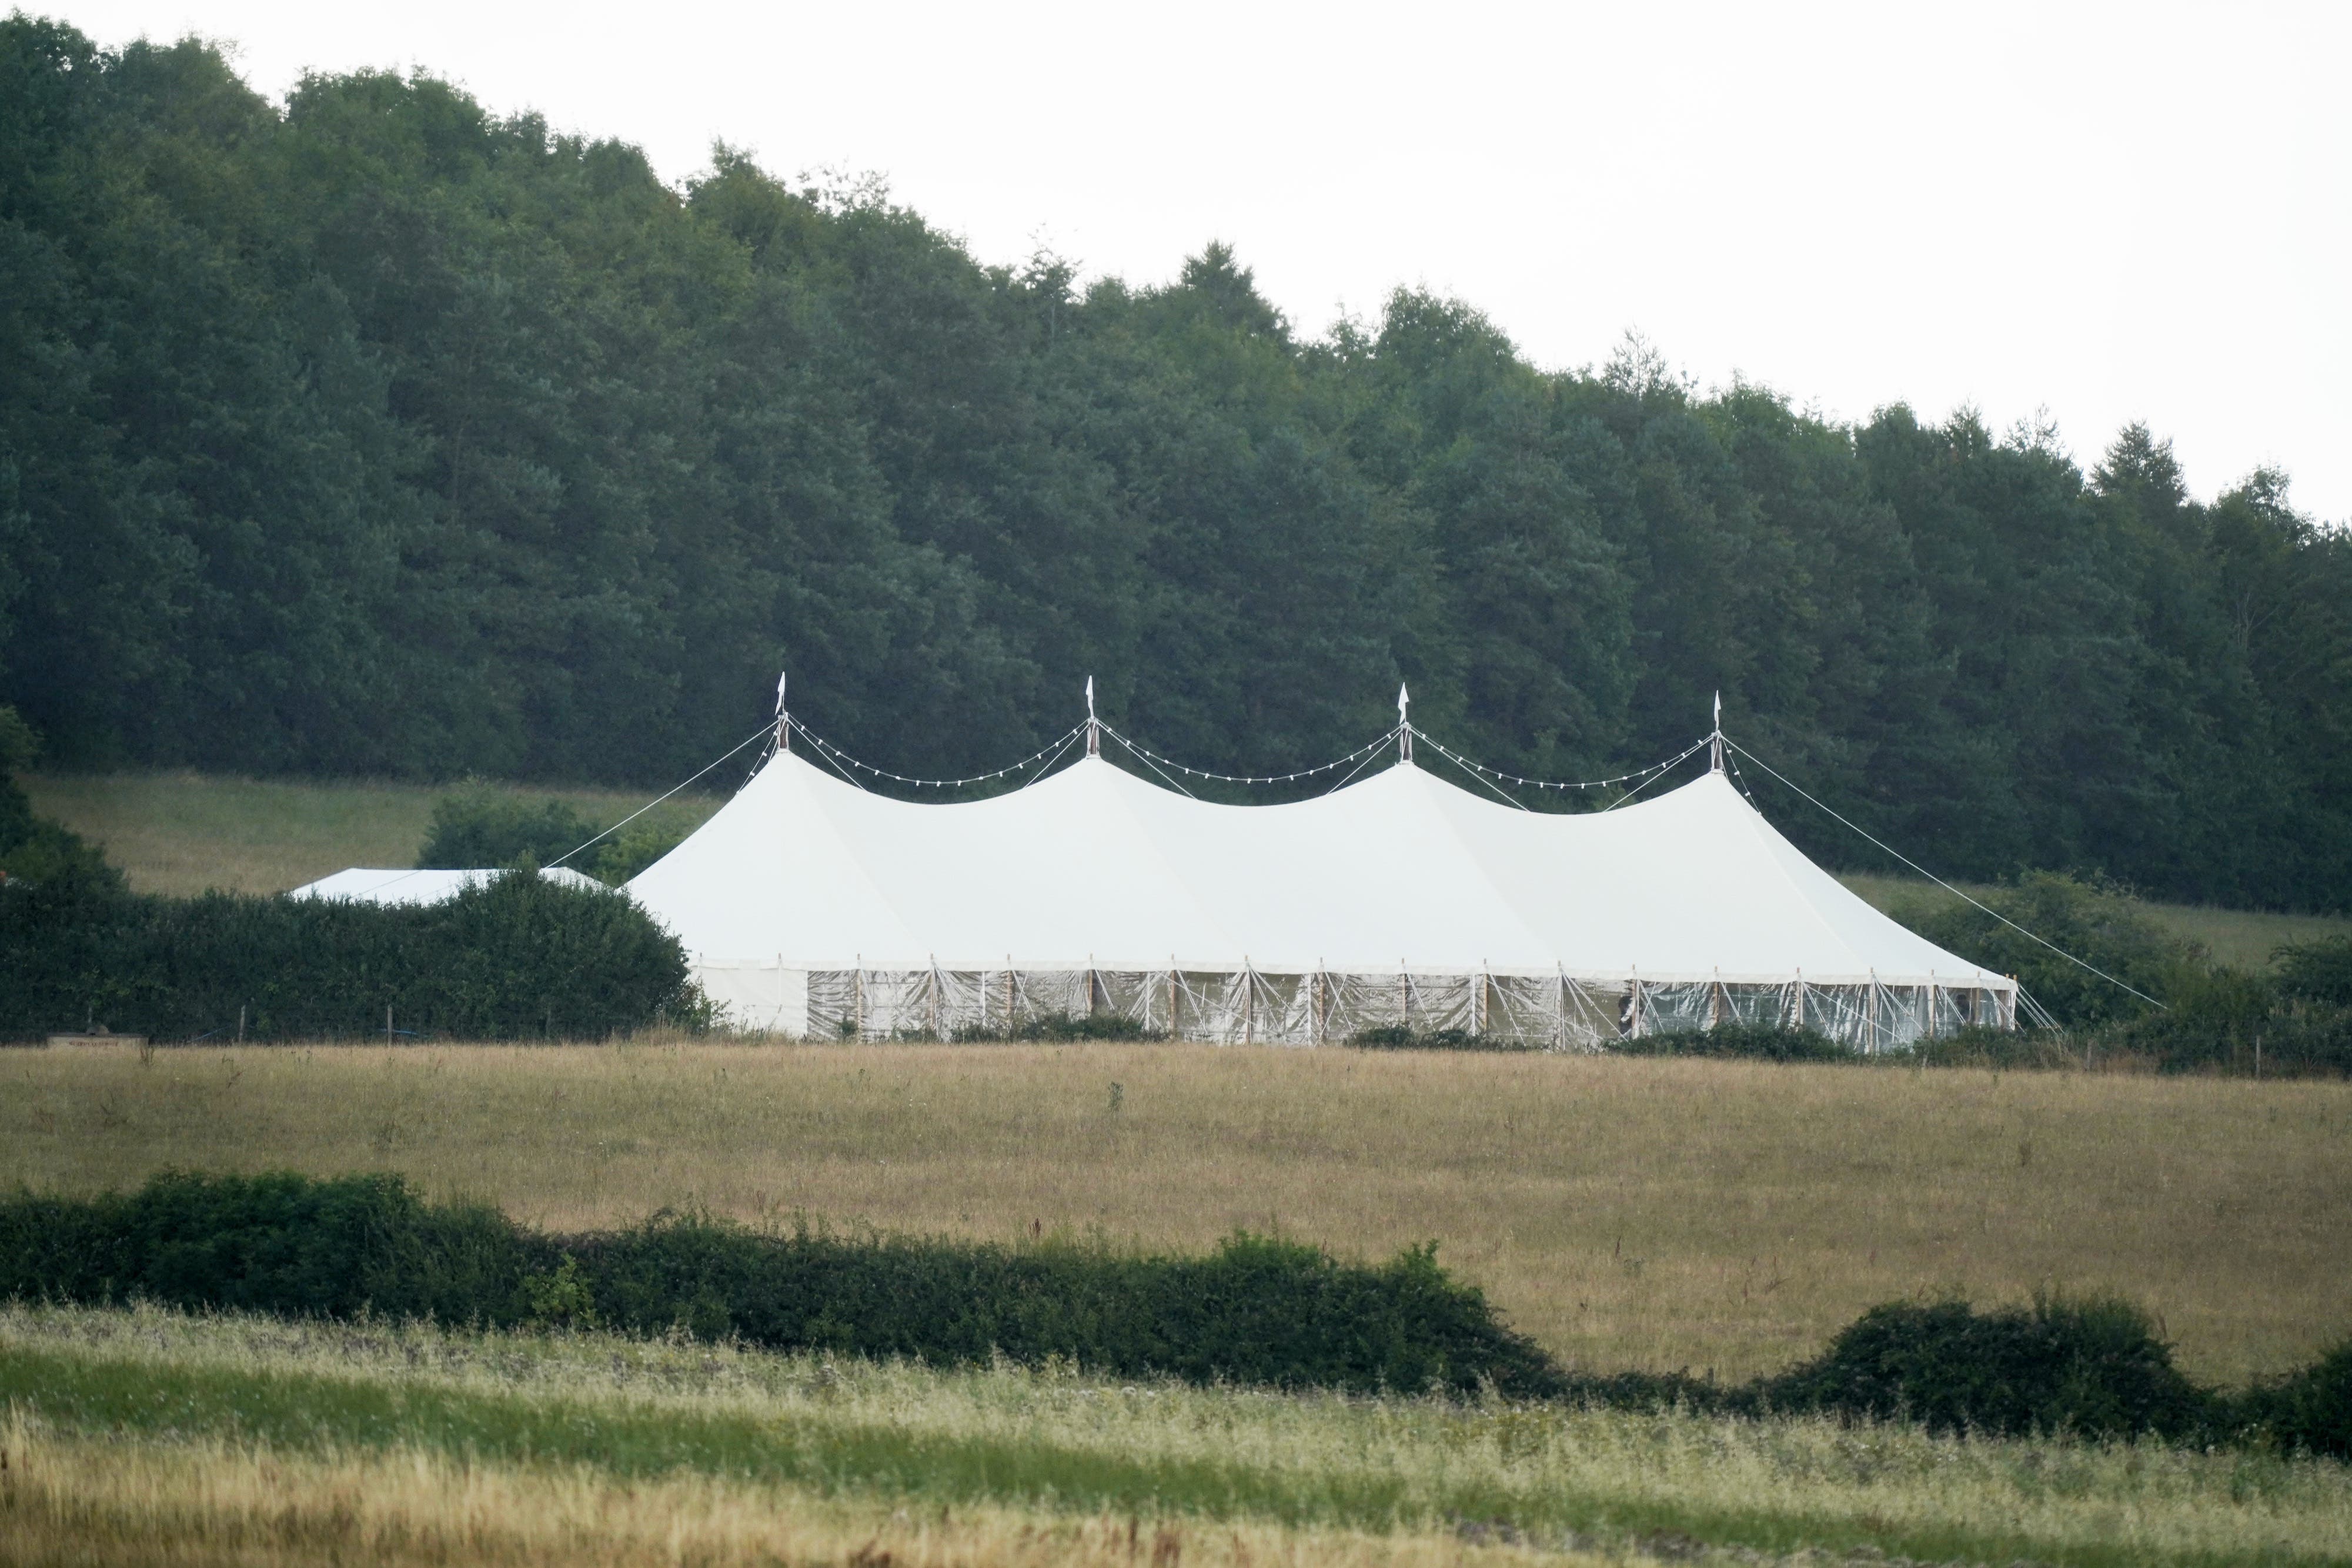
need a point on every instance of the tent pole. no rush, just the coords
(1249, 996)
(1171, 995)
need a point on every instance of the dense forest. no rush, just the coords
(374, 434)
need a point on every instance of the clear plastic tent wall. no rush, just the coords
(812, 907)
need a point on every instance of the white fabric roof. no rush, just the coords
(1096, 868)
(369, 884)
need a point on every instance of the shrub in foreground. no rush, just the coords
(1403, 1036)
(2309, 1411)
(1751, 1042)
(2091, 1368)
(1064, 1026)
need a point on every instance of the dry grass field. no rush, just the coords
(1626, 1212)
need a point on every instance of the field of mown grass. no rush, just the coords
(1626, 1212)
(183, 832)
(142, 1435)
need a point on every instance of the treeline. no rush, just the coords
(375, 433)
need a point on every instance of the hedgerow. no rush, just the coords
(1254, 1311)
(520, 957)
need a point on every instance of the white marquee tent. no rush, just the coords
(810, 905)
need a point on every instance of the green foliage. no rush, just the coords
(2318, 972)
(522, 958)
(1256, 1309)
(635, 848)
(2086, 1368)
(1402, 1037)
(18, 744)
(2309, 1411)
(1756, 1041)
(560, 1297)
(1064, 1026)
(298, 1246)
(2097, 926)
(487, 827)
(34, 850)
(1996, 1049)
(373, 433)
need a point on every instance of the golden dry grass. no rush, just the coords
(191, 1505)
(184, 832)
(1233, 1476)
(1627, 1212)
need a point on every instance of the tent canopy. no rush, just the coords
(385, 884)
(1095, 869)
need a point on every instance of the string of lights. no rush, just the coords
(1563, 784)
(836, 755)
(1154, 756)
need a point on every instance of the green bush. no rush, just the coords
(1753, 1041)
(2318, 972)
(520, 957)
(2003, 1049)
(34, 849)
(2085, 919)
(2310, 1411)
(635, 847)
(2092, 1368)
(1062, 1027)
(480, 827)
(287, 1244)
(1401, 1037)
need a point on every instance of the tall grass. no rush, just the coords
(1654, 1214)
(203, 1408)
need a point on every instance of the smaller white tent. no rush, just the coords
(368, 884)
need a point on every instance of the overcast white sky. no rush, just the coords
(2117, 212)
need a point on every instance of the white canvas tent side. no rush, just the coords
(811, 906)
(385, 884)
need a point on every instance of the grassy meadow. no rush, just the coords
(186, 832)
(249, 1441)
(1626, 1212)
(183, 832)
